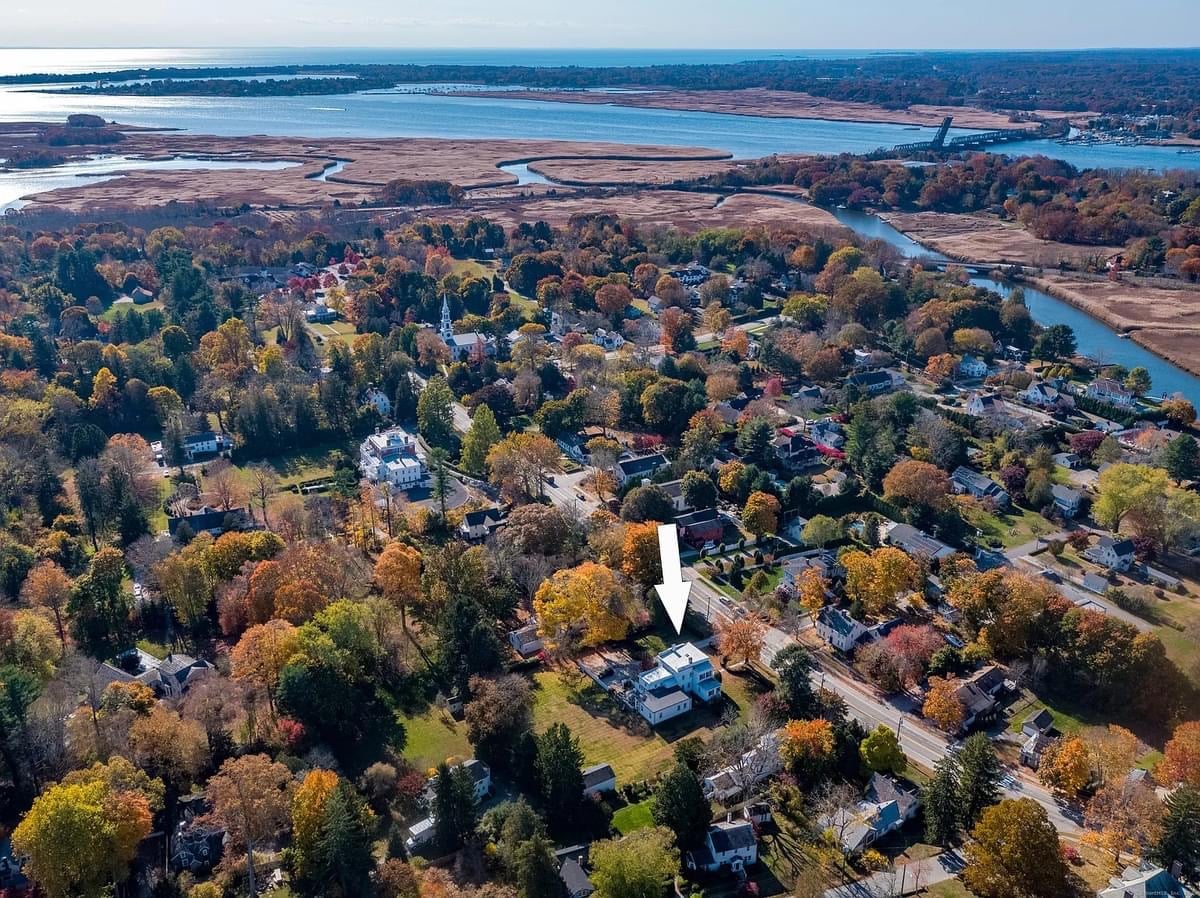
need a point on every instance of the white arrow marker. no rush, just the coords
(674, 590)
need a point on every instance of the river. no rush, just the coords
(1094, 338)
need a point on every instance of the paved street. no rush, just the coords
(906, 879)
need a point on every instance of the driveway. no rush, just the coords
(906, 879)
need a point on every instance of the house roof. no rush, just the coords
(482, 517)
(573, 877)
(597, 774)
(1119, 546)
(977, 482)
(1095, 583)
(1041, 720)
(644, 464)
(1065, 494)
(727, 836)
(696, 518)
(883, 789)
(661, 699)
(838, 620)
(210, 519)
(917, 542)
(870, 378)
(1148, 882)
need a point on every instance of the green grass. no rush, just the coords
(633, 817)
(610, 734)
(158, 649)
(1017, 527)
(433, 737)
(948, 888)
(303, 464)
(1064, 721)
(1150, 760)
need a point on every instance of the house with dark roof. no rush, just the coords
(700, 527)
(794, 448)
(480, 523)
(599, 778)
(1112, 553)
(873, 383)
(978, 706)
(635, 468)
(674, 491)
(916, 542)
(575, 879)
(170, 677)
(204, 443)
(885, 808)
(730, 844)
(213, 521)
(965, 480)
(839, 629)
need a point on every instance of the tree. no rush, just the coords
(519, 464)
(435, 413)
(1123, 816)
(1066, 767)
(1113, 750)
(1014, 853)
(1179, 410)
(979, 774)
(813, 588)
(79, 838)
(641, 559)
(251, 798)
(940, 368)
(262, 653)
(398, 576)
(1126, 490)
(647, 503)
(761, 513)
(876, 578)
(1181, 756)
(1055, 342)
(1138, 380)
(680, 805)
(308, 810)
(917, 483)
(821, 530)
(942, 704)
(48, 586)
(559, 767)
(794, 665)
(806, 743)
(942, 815)
(1181, 458)
(637, 866)
(1180, 836)
(881, 751)
(741, 638)
(169, 747)
(263, 484)
(483, 434)
(754, 441)
(585, 605)
(332, 830)
(698, 490)
(454, 811)
(535, 869)
(498, 714)
(612, 299)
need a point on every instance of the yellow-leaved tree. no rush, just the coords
(584, 605)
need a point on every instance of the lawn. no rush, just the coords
(434, 736)
(303, 464)
(610, 734)
(1064, 721)
(1015, 528)
(948, 888)
(633, 817)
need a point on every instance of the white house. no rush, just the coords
(681, 673)
(1114, 554)
(983, 405)
(481, 777)
(1146, 881)
(206, 442)
(1105, 389)
(972, 366)
(394, 456)
(753, 767)
(635, 468)
(480, 523)
(730, 844)
(1066, 500)
(599, 778)
(964, 480)
(379, 401)
(525, 640)
(607, 340)
(674, 491)
(1042, 395)
(420, 834)
(469, 345)
(839, 629)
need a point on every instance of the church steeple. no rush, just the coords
(447, 329)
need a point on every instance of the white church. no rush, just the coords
(471, 345)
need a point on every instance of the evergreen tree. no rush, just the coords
(454, 812)
(468, 643)
(680, 806)
(483, 435)
(754, 441)
(344, 848)
(435, 413)
(1181, 458)
(560, 776)
(535, 869)
(1180, 838)
(404, 402)
(793, 665)
(979, 775)
(941, 804)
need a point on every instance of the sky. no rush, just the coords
(750, 24)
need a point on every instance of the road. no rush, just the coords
(906, 879)
(920, 742)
